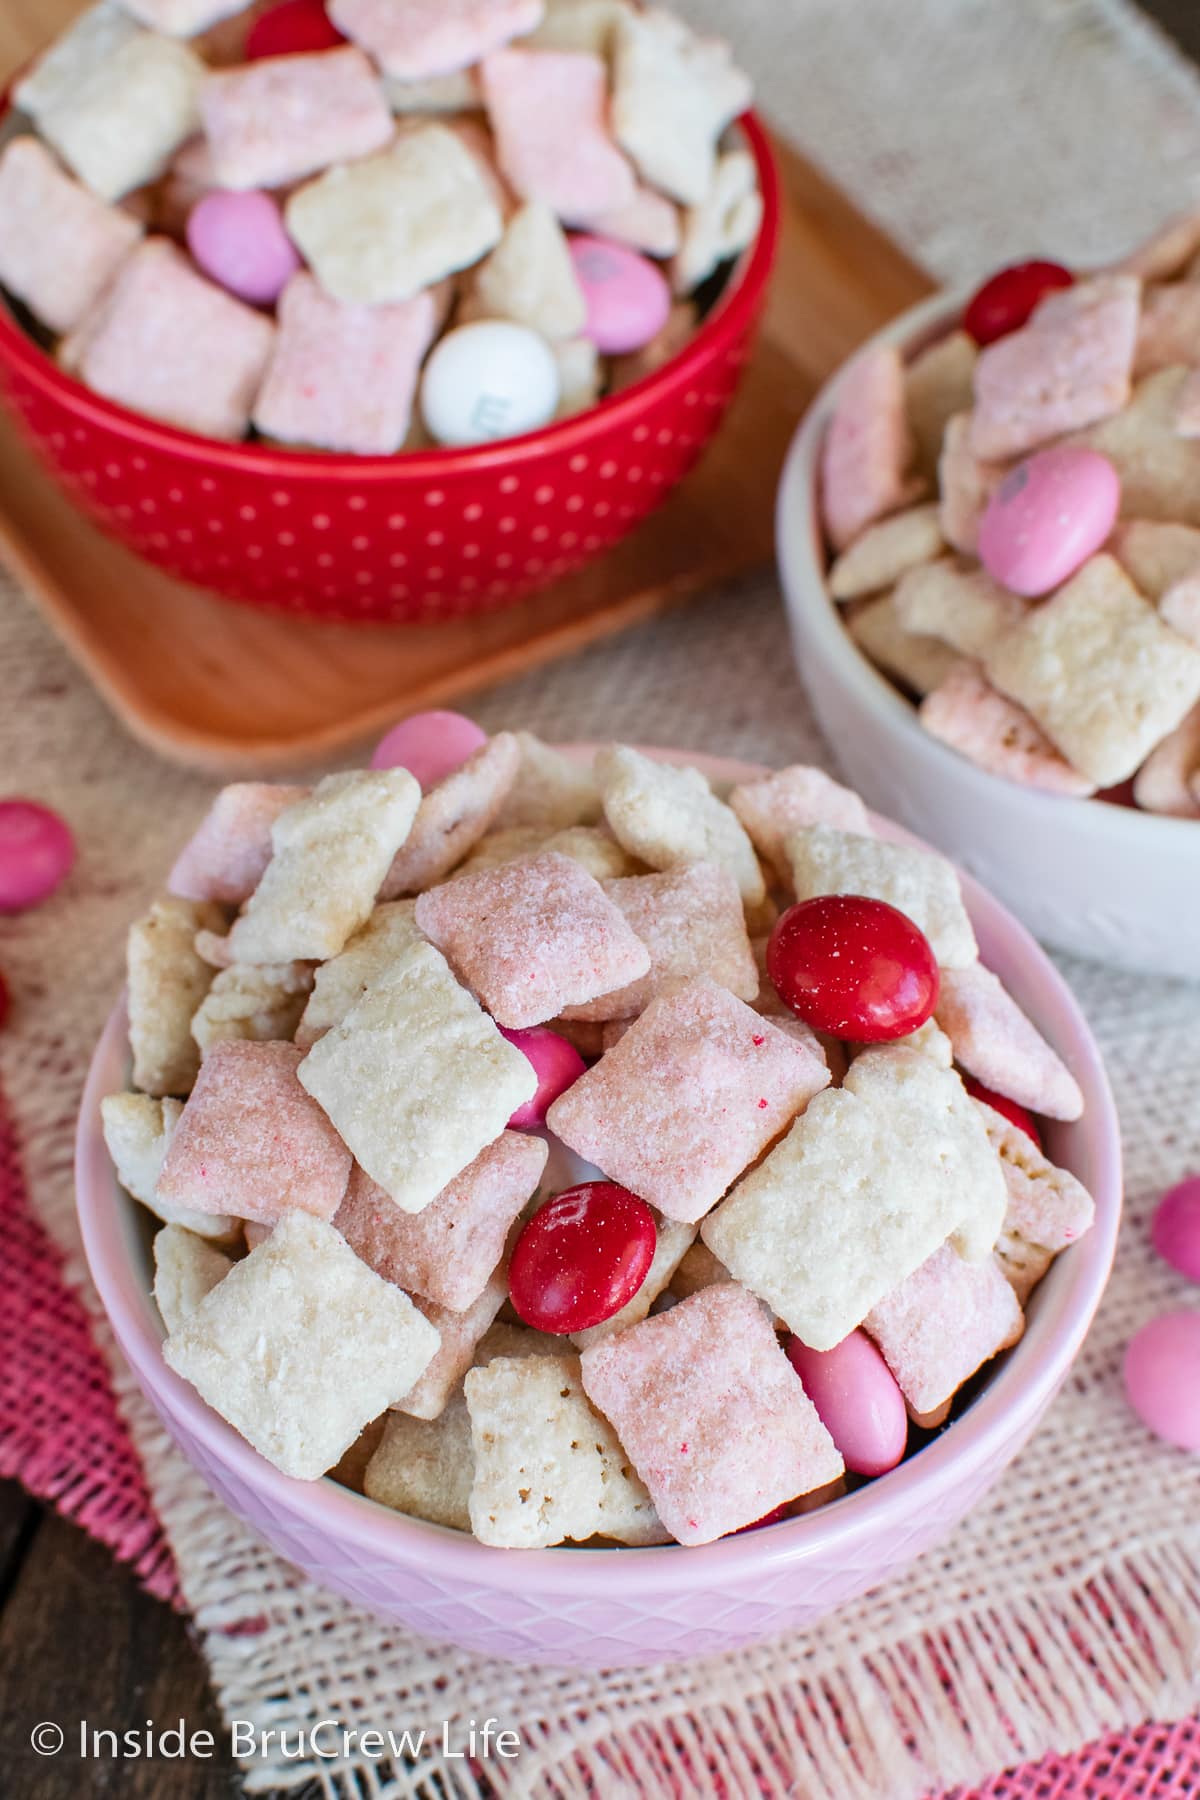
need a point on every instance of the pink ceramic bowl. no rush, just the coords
(602, 1608)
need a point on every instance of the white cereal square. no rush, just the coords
(258, 1002)
(961, 605)
(919, 663)
(182, 18)
(886, 551)
(138, 1130)
(669, 815)
(425, 1467)
(1158, 466)
(342, 981)
(938, 385)
(529, 277)
(917, 882)
(674, 92)
(167, 980)
(942, 1323)
(453, 816)
(1047, 1206)
(551, 791)
(59, 245)
(186, 1268)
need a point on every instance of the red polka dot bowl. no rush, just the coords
(423, 536)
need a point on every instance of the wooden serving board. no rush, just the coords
(236, 690)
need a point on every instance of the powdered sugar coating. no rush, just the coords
(938, 385)
(995, 1042)
(549, 112)
(868, 447)
(343, 980)
(992, 731)
(886, 551)
(942, 1323)
(227, 855)
(1047, 1206)
(776, 805)
(258, 1002)
(453, 816)
(276, 120)
(674, 92)
(59, 244)
(186, 1268)
(420, 40)
(137, 1130)
(550, 791)
(167, 980)
(917, 882)
(959, 604)
(668, 816)
(459, 1332)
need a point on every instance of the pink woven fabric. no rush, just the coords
(1151, 1762)
(61, 1435)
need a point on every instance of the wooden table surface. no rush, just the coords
(78, 1637)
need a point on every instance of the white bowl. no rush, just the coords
(1103, 881)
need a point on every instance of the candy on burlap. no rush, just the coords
(917, 882)
(331, 852)
(691, 921)
(343, 376)
(942, 1323)
(551, 790)
(668, 816)
(957, 603)
(868, 447)
(672, 1241)
(1101, 673)
(382, 228)
(167, 980)
(938, 384)
(419, 40)
(281, 118)
(776, 805)
(59, 245)
(1167, 780)
(425, 1467)
(453, 816)
(186, 1268)
(966, 712)
(532, 937)
(1169, 327)
(577, 25)
(674, 93)
(711, 1413)
(696, 1089)
(459, 1332)
(1069, 367)
(649, 222)
(549, 112)
(1166, 251)
(1047, 1206)
(884, 552)
(919, 663)
(528, 277)
(870, 1180)
(454, 93)
(255, 1002)
(182, 18)
(345, 978)
(251, 1142)
(449, 1251)
(301, 1346)
(417, 1078)
(721, 225)
(227, 855)
(698, 1268)
(165, 342)
(137, 1130)
(966, 483)
(547, 1466)
(1159, 470)
(580, 375)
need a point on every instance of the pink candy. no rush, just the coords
(1047, 517)
(858, 1400)
(1176, 1228)
(557, 1066)
(628, 299)
(1162, 1378)
(37, 851)
(430, 745)
(239, 240)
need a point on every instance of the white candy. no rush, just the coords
(490, 380)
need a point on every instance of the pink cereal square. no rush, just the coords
(531, 938)
(1047, 1206)
(284, 117)
(549, 112)
(711, 1413)
(251, 1142)
(992, 731)
(418, 40)
(59, 245)
(460, 1333)
(994, 1041)
(225, 858)
(868, 447)
(447, 1252)
(690, 1096)
(941, 1324)
(342, 376)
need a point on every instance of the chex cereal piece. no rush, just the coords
(698, 1268)
(920, 663)
(994, 1041)
(942, 1323)
(226, 857)
(165, 342)
(637, 364)
(931, 1041)
(182, 18)
(1167, 780)
(668, 815)
(580, 375)
(959, 604)
(342, 376)
(459, 1332)
(1099, 671)
(966, 483)
(257, 1002)
(281, 118)
(137, 1131)
(996, 734)
(674, 93)
(884, 552)
(417, 1078)
(1166, 251)
(696, 1089)
(503, 1339)
(453, 816)
(252, 1142)
(1169, 327)
(577, 25)
(870, 1180)
(413, 40)
(917, 882)
(672, 1241)
(868, 447)
(383, 228)
(547, 1467)
(1187, 406)
(332, 851)
(495, 848)
(721, 226)
(649, 222)
(167, 981)
(1069, 367)
(344, 979)
(448, 1252)
(425, 1467)
(939, 383)
(59, 245)
(551, 790)
(1047, 1206)
(1022, 1264)
(1159, 469)
(595, 849)
(691, 921)
(549, 112)
(777, 805)
(454, 93)
(301, 1345)
(529, 277)
(533, 937)
(186, 1268)
(86, 43)
(711, 1413)
(1156, 556)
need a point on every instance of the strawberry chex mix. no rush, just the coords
(1013, 518)
(378, 226)
(659, 1162)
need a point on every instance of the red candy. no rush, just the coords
(292, 29)
(1011, 1109)
(36, 853)
(855, 967)
(1005, 303)
(581, 1257)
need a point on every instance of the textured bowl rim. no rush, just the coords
(1008, 1406)
(802, 565)
(741, 297)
